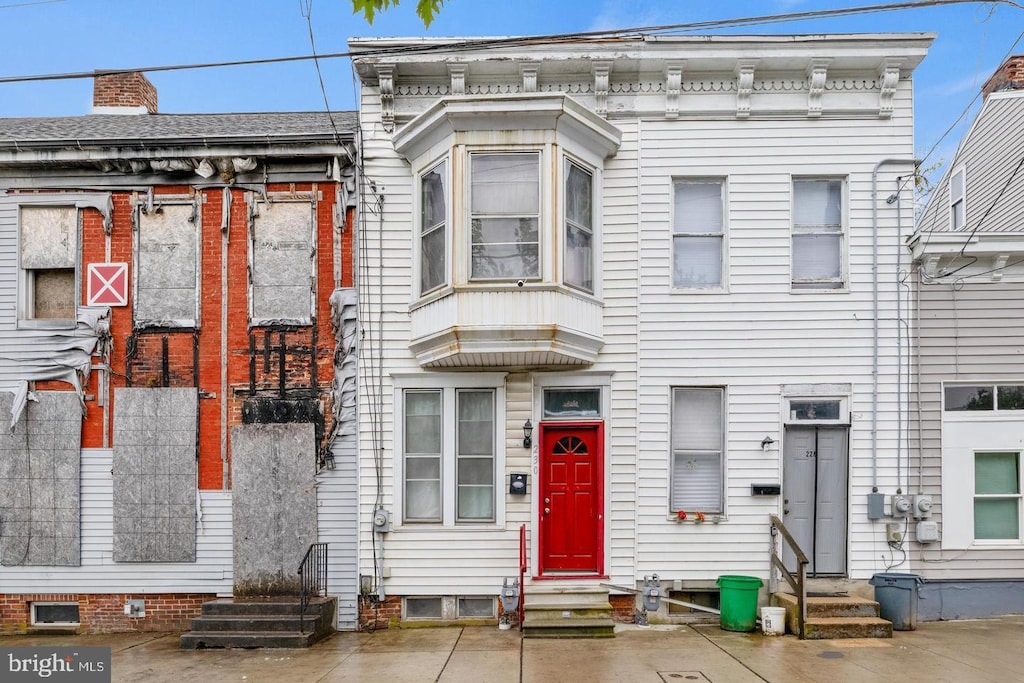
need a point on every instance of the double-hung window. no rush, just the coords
(434, 228)
(698, 234)
(997, 495)
(698, 461)
(579, 227)
(817, 255)
(505, 216)
(48, 254)
(957, 198)
(449, 455)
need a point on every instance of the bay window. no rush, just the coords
(505, 215)
(434, 228)
(579, 227)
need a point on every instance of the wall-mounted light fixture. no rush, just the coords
(528, 434)
(329, 461)
(766, 442)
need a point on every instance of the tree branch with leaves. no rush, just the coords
(426, 10)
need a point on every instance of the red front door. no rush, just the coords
(571, 505)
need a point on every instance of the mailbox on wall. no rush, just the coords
(517, 484)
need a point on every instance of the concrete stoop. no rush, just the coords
(830, 618)
(567, 612)
(260, 623)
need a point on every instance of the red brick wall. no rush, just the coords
(377, 616)
(104, 613)
(623, 608)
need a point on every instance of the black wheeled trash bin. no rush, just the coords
(897, 596)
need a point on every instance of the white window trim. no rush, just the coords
(724, 472)
(449, 383)
(449, 227)
(1019, 497)
(962, 171)
(844, 239)
(723, 286)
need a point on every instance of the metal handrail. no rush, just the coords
(797, 583)
(312, 578)
(521, 610)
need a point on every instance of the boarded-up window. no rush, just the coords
(166, 264)
(48, 254)
(281, 253)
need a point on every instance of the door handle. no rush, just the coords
(547, 501)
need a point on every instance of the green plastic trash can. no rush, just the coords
(738, 600)
(897, 595)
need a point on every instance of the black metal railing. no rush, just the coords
(799, 582)
(312, 578)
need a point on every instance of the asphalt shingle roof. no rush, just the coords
(96, 129)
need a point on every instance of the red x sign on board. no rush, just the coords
(108, 284)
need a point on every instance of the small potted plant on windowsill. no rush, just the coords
(681, 515)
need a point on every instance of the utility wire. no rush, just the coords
(490, 43)
(307, 14)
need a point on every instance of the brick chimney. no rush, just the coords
(123, 93)
(1009, 76)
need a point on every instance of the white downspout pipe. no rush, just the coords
(874, 316)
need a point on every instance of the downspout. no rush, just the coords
(874, 317)
(225, 230)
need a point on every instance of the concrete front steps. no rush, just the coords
(266, 622)
(830, 618)
(562, 611)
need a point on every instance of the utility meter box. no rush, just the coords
(901, 505)
(927, 532)
(922, 506)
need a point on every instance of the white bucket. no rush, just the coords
(773, 621)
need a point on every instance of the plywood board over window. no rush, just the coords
(282, 254)
(48, 248)
(167, 266)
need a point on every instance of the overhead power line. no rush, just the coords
(489, 43)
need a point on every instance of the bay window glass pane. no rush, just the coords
(697, 261)
(475, 456)
(1011, 397)
(579, 258)
(506, 260)
(579, 254)
(997, 518)
(969, 398)
(505, 183)
(433, 227)
(698, 208)
(996, 473)
(817, 204)
(696, 467)
(816, 257)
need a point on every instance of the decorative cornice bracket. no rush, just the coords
(386, 83)
(889, 75)
(457, 73)
(744, 86)
(673, 86)
(528, 72)
(602, 77)
(997, 267)
(817, 72)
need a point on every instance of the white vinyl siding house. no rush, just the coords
(653, 255)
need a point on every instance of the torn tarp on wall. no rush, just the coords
(63, 355)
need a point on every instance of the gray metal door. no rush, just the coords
(814, 476)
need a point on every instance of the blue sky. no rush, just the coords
(61, 36)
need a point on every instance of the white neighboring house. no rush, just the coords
(672, 258)
(969, 253)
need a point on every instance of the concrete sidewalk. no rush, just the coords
(960, 651)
